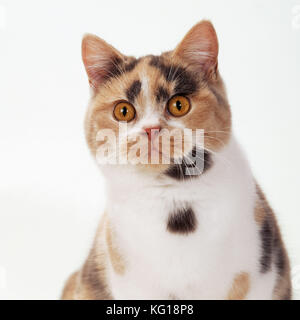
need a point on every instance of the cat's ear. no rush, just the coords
(99, 58)
(199, 48)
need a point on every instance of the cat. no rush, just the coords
(167, 234)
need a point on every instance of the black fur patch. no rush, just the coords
(280, 260)
(280, 254)
(133, 91)
(129, 66)
(162, 94)
(266, 235)
(271, 244)
(185, 81)
(182, 221)
(186, 170)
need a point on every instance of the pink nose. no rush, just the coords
(152, 131)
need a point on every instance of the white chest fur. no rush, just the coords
(201, 264)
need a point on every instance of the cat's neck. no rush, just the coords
(228, 163)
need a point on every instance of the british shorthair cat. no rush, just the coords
(168, 233)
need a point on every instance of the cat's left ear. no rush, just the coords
(199, 48)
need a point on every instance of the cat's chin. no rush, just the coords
(151, 168)
(154, 170)
(148, 169)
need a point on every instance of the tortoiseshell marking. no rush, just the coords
(183, 170)
(182, 221)
(133, 91)
(185, 81)
(162, 94)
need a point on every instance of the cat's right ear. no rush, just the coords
(99, 58)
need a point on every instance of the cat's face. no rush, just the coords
(156, 97)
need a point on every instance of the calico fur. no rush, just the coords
(166, 234)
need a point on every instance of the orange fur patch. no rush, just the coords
(240, 287)
(116, 258)
(259, 213)
(69, 291)
(260, 208)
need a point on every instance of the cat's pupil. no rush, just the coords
(124, 111)
(178, 105)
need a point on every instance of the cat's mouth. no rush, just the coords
(153, 149)
(156, 153)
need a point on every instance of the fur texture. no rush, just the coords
(166, 234)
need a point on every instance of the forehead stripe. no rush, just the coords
(133, 91)
(162, 94)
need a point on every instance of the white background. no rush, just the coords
(51, 193)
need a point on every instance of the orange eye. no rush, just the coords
(124, 111)
(178, 106)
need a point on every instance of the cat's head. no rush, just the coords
(156, 97)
